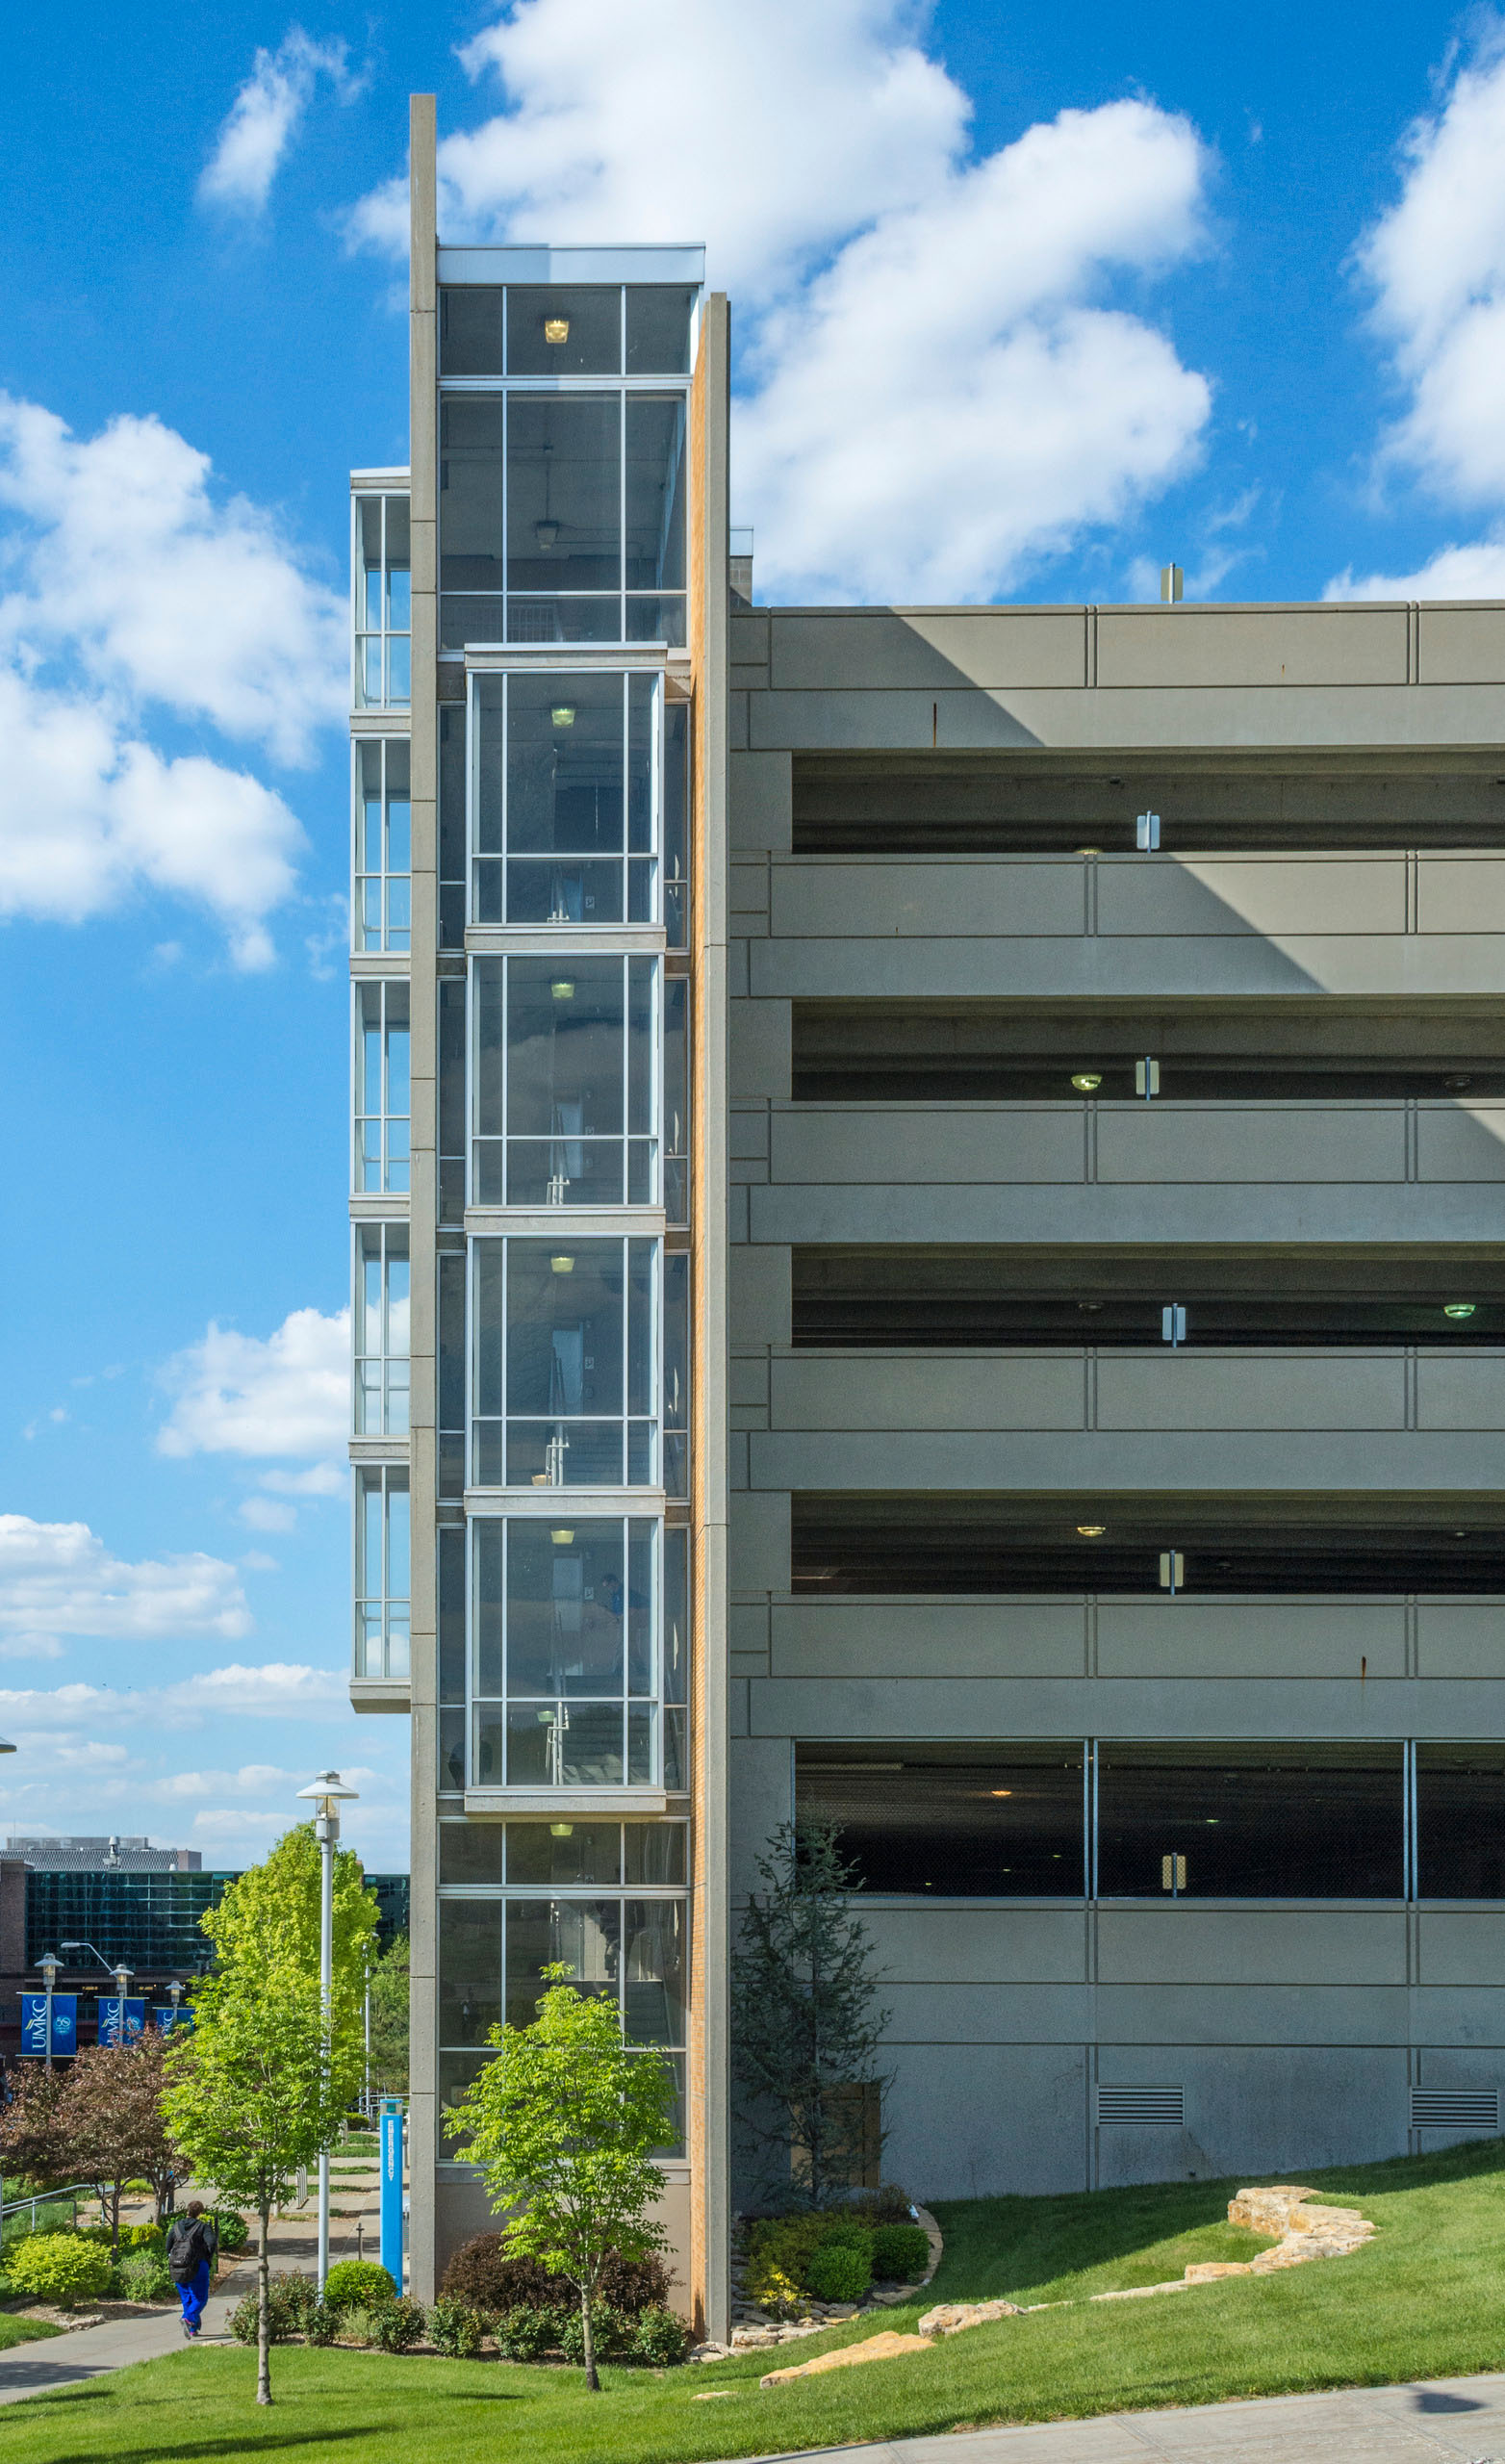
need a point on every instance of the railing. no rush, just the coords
(71, 2194)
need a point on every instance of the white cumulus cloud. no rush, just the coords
(937, 386)
(288, 1394)
(131, 587)
(60, 1579)
(264, 119)
(1437, 262)
(1475, 569)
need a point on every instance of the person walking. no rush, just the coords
(191, 2245)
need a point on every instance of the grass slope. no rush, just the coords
(24, 2331)
(1425, 2299)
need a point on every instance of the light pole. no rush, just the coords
(49, 1965)
(328, 1792)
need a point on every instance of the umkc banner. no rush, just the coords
(122, 2016)
(64, 2023)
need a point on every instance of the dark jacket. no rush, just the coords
(191, 2240)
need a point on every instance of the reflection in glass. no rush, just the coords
(383, 603)
(656, 477)
(564, 1089)
(564, 492)
(383, 1581)
(382, 903)
(381, 1087)
(566, 781)
(565, 1653)
(470, 1965)
(658, 328)
(381, 1329)
(564, 1349)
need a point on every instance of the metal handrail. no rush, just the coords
(74, 2190)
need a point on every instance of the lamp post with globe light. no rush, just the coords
(328, 1792)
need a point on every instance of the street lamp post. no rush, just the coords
(49, 1965)
(328, 1792)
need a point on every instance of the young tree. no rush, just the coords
(564, 2124)
(271, 1914)
(806, 2033)
(33, 2140)
(251, 2097)
(389, 1990)
(113, 2120)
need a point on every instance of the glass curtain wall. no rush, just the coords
(382, 604)
(563, 463)
(381, 1331)
(382, 899)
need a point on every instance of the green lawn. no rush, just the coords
(1425, 2299)
(23, 2331)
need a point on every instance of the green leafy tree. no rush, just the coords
(388, 1989)
(805, 2029)
(251, 2097)
(271, 1914)
(33, 2139)
(564, 2124)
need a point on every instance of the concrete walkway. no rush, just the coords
(1459, 2419)
(88, 2352)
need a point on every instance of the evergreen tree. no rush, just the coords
(806, 2031)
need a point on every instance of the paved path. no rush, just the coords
(1444, 2420)
(88, 2352)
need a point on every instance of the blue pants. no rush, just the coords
(193, 2294)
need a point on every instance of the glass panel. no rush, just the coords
(655, 471)
(451, 1616)
(470, 1852)
(640, 1607)
(371, 1585)
(470, 1970)
(399, 554)
(641, 1255)
(565, 1051)
(564, 493)
(567, 1455)
(488, 1762)
(564, 776)
(569, 1745)
(573, 331)
(677, 1099)
(471, 616)
(490, 1559)
(677, 807)
(676, 1614)
(565, 1326)
(998, 1823)
(541, 1932)
(564, 1853)
(653, 1852)
(452, 1752)
(676, 1749)
(1460, 1821)
(566, 1605)
(657, 618)
(398, 1584)
(652, 1962)
(562, 891)
(1250, 1821)
(469, 330)
(658, 330)
(580, 617)
(470, 435)
(452, 813)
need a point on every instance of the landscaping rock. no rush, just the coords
(950, 2318)
(883, 2348)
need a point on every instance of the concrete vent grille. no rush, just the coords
(1455, 2109)
(1144, 2106)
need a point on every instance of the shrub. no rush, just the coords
(456, 2327)
(323, 2324)
(99, 2233)
(838, 2272)
(358, 2284)
(524, 2333)
(661, 2337)
(396, 2325)
(482, 2274)
(291, 2301)
(231, 2226)
(59, 2267)
(142, 2276)
(780, 2250)
(143, 2237)
(900, 2252)
(611, 2333)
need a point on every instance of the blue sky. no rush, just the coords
(1026, 301)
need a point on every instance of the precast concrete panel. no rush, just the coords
(926, 899)
(1022, 2111)
(903, 1391)
(972, 2013)
(1460, 895)
(1237, 1947)
(1461, 1639)
(1458, 645)
(1460, 1142)
(1237, 1390)
(1233, 1638)
(1257, 2112)
(1458, 1947)
(1250, 2015)
(889, 651)
(1251, 645)
(978, 1944)
(1305, 895)
(1253, 1143)
(991, 1637)
(927, 1144)
(1461, 1392)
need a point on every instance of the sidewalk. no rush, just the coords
(87, 2352)
(1448, 2421)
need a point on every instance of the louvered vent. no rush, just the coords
(1159, 2105)
(1455, 2109)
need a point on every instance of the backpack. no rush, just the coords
(189, 2247)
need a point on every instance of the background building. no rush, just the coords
(1087, 1025)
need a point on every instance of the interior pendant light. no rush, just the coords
(1458, 1308)
(556, 329)
(547, 532)
(1086, 1082)
(562, 1264)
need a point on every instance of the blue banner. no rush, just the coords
(120, 2019)
(64, 2023)
(165, 2018)
(391, 2189)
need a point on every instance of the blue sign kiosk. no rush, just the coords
(390, 2127)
